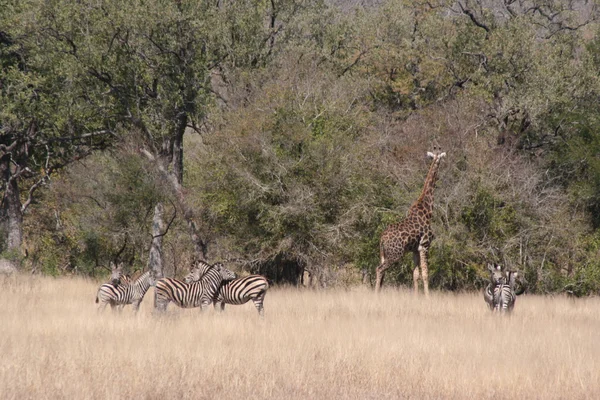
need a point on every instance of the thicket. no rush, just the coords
(292, 132)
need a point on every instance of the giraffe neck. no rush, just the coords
(425, 200)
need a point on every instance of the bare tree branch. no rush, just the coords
(468, 12)
(169, 224)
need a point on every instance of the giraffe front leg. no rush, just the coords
(424, 270)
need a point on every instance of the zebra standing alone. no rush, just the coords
(238, 291)
(132, 293)
(197, 294)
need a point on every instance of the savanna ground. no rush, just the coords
(311, 345)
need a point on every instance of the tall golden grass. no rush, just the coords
(310, 345)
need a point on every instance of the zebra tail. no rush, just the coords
(96, 299)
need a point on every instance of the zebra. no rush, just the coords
(504, 293)
(497, 277)
(117, 277)
(197, 294)
(132, 293)
(238, 291)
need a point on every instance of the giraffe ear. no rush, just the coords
(442, 155)
(430, 154)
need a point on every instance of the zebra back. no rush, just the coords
(201, 268)
(194, 294)
(127, 293)
(241, 290)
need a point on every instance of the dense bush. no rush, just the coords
(307, 128)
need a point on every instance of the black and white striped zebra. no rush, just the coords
(504, 293)
(196, 294)
(497, 277)
(239, 291)
(132, 293)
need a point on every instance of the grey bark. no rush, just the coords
(11, 205)
(200, 246)
(155, 261)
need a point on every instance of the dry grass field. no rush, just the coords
(310, 345)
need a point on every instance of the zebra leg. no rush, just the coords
(160, 304)
(221, 304)
(102, 307)
(136, 306)
(204, 304)
(488, 296)
(258, 303)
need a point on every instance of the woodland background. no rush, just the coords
(283, 136)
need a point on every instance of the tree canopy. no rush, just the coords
(305, 126)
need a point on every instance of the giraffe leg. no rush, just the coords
(380, 273)
(424, 270)
(416, 273)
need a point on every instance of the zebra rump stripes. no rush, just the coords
(132, 293)
(500, 292)
(240, 291)
(197, 294)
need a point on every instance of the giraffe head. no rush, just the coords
(425, 200)
(437, 153)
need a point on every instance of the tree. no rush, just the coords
(41, 132)
(156, 62)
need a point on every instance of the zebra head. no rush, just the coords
(197, 271)
(116, 274)
(516, 279)
(200, 269)
(226, 274)
(497, 276)
(193, 276)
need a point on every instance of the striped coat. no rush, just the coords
(504, 294)
(121, 295)
(497, 277)
(196, 294)
(240, 291)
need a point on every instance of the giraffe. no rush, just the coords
(413, 233)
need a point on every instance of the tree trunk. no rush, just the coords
(178, 150)
(11, 204)
(200, 246)
(155, 262)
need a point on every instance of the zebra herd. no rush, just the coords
(205, 284)
(216, 284)
(500, 294)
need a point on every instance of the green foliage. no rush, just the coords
(314, 119)
(490, 217)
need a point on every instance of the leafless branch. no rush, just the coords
(169, 224)
(469, 13)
